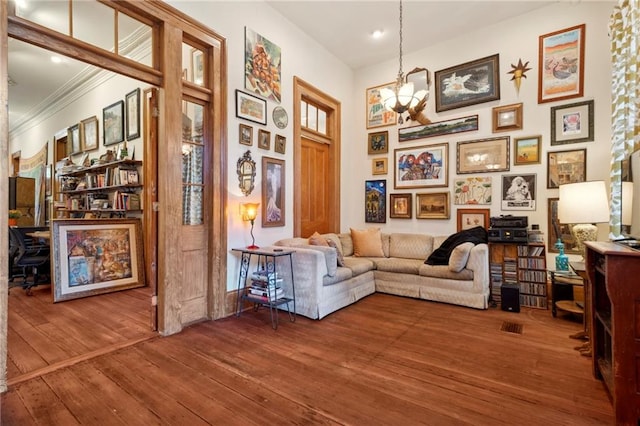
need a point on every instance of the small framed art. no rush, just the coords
(432, 205)
(379, 166)
(526, 150)
(264, 139)
(483, 155)
(470, 218)
(132, 104)
(113, 123)
(273, 192)
(280, 144)
(566, 167)
(519, 192)
(89, 133)
(74, 144)
(246, 134)
(400, 206)
(378, 143)
(375, 200)
(572, 123)
(252, 108)
(561, 64)
(506, 118)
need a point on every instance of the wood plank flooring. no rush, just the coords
(385, 360)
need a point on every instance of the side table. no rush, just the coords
(266, 274)
(580, 269)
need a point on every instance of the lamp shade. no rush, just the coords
(627, 203)
(584, 202)
(250, 211)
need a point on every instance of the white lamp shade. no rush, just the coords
(584, 202)
(627, 203)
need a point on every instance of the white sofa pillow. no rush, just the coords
(459, 257)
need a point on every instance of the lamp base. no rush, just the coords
(253, 247)
(584, 232)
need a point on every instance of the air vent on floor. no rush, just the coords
(511, 327)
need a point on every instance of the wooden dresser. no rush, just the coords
(614, 310)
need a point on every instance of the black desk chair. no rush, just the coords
(30, 259)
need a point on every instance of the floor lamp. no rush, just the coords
(249, 213)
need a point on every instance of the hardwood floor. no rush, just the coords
(385, 360)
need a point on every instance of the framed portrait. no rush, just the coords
(561, 64)
(264, 139)
(378, 143)
(559, 230)
(96, 256)
(379, 166)
(483, 155)
(245, 134)
(263, 66)
(377, 114)
(113, 123)
(572, 123)
(566, 167)
(74, 145)
(438, 128)
(132, 108)
(470, 218)
(507, 117)
(519, 192)
(89, 133)
(252, 108)
(401, 207)
(280, 144)
(526, 150)
(273, 192)
(432, 205)
(472, 190)
(197, 67)
(421, 166)
(375, 201)
(467, 84)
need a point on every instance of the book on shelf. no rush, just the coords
(272, 295)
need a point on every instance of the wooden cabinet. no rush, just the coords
(614, 310)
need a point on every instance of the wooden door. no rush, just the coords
(315, 184)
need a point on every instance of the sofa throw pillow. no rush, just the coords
(459, 257)
(317, 240)
(339, 256)
(367, 243)
(440, 256)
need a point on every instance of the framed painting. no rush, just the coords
(377, 114)
(113, 123)
(507, 117)
(432, 205)
(379, 166)
(132, 108)
(273, 192)
(472, 190)
(96, 256)
(375, 201)
(557, 230)
(572, 123)
(280, 144)
(264, 139)
(467, 84)
(438, 128)
(566, 167)
(245, 134)
(519, 192)
(74, 144)
(197, 67)
(400, 206)
(470, 218)
(378, 143)
(89, 133)
(561, 64)
(48, 173)
(263, 66)
(526, 150)
(421, 166)
(252, 108)
(483, 155)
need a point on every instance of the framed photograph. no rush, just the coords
(438, 128)
(377, 114)
(252, 108)
(264, 139)
(432, 205)
(197, 67)
(401, 207)
(566, 167)
(559, 230)
(506, 118)
(379, 166)
(89, 133)
(472, 190)
(561, 64)
(273, 192)
(572, 123)
(280, 144)
(421, 166)
(519, 192)
(526, 150)
(483, 155)
(113, 123)
(74, 145)
(263, 66)
(467, 84)
(378, 143)
(96, 256)
(245, 134)
(375, 201)
(132, 108)
(470, 218)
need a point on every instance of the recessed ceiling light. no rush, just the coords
(56, 59)
(377, 34)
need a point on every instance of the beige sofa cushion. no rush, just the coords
(358, 265)
(401, 266)
(459, 256)
(347, 244)
(410, 246)
(442, 271)
(318, 240)
(367, 242)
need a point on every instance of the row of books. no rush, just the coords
(531, 275)
(112, 176)
(532, 263)
(538, 289)
(533, 301)
(126, 201)
(530, 250)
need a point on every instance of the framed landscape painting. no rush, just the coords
(483, 155)
(566, 167)
(526, 150)
(432, 205)
(561, 64)
(421, 166)
(113, 123)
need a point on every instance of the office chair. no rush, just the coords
(31, 258)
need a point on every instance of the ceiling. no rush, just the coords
(343, 27)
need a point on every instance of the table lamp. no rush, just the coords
(249, 213)
(583, 204)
